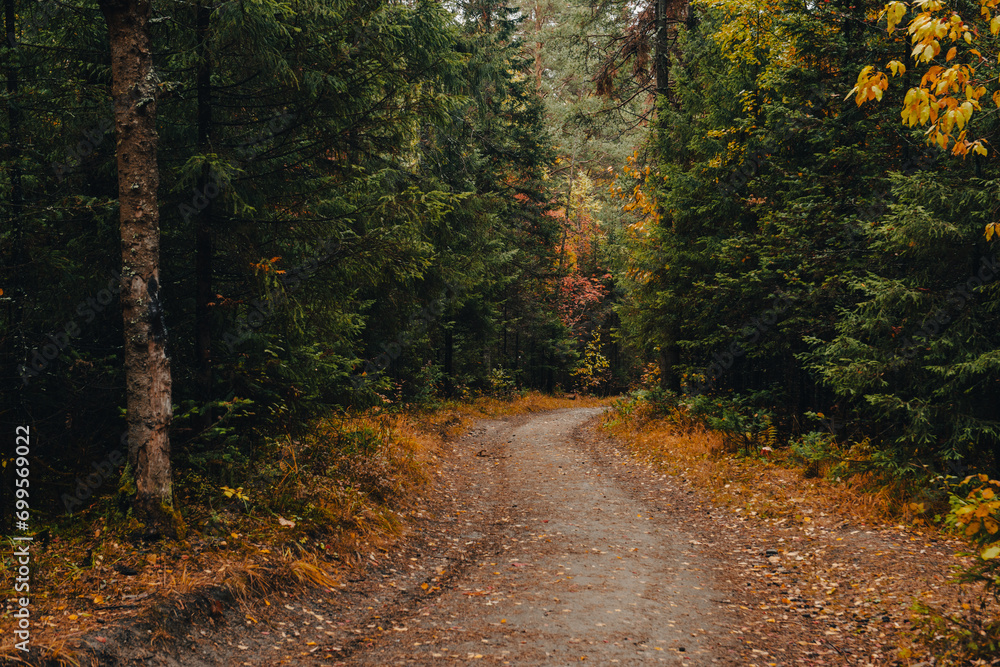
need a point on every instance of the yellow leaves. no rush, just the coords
(960, 116)
(238, 493)
(962, 147)
(979, 513)
(921, 27)
(926, 52)
(973, 93)
(869, 86)
(931, 76)
(949, 93)
(992, 229)
(894, 12)
(919, 107)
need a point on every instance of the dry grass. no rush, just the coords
(310, 573)
(766, 487)
(54, 652)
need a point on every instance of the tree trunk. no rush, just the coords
(147, 369)
(203, 233)
(13, 118)
(517, 353)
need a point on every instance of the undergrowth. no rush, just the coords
(731, 449)
(735, 452)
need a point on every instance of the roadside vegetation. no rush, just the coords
(731, 450)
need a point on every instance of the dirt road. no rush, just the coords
(538, 543)
(529, 550)
(566, 565)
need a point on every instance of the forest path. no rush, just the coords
(563, 563)
(531, 548)
(539, 542)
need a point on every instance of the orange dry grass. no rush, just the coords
(54, 653)
(765, 487)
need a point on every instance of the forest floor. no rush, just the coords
(542, 541)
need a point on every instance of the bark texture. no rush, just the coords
(147, 369)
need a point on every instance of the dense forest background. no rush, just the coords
(382, 203)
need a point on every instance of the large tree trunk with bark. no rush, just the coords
(147, 369)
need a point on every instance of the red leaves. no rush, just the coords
(577, 294)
